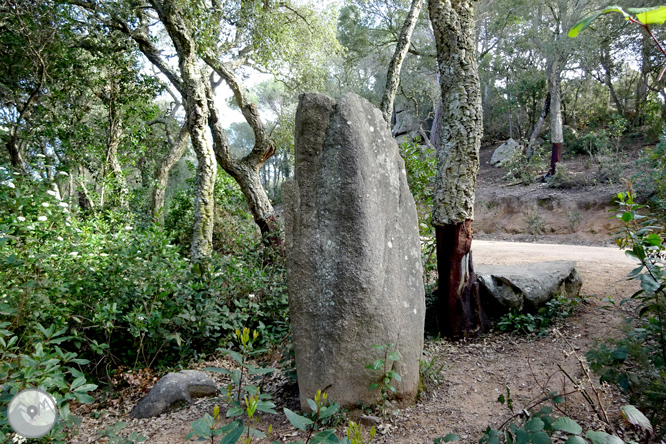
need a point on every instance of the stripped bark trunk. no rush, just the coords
(176, 150)
(537, 128)
(458, 316)
(395, 66)
(457, 165)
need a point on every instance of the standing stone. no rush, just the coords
(353, 253)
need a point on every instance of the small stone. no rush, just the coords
(370, 420)
(171, 389)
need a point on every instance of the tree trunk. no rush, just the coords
(14, 153)
(204, 191)
(113, 141)
(460, 313)
(642, 86)
(537, 128)
(460, 310)
(556, 135)
(436, 125)
(85, 201)
(395, 66)
(176, 150)
(193, 90)
(607, 64)
(50, 172)
(246, 172)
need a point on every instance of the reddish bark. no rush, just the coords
(460, 312)
(555, 158)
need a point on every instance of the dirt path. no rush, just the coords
(474, 372)
(477, 371)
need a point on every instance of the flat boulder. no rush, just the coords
(526, 287)
(505, 152)
(173, 389)
(353, 253)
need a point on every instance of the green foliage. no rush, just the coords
(234, 229)
(534, 224)
(651, 180)
(538, 323)
(323, 416)
(210, 427)
(112, 433)
(538, 425)
(637, 362)
(526, 170)
(430, 373)
(354, 434)
(246, 403)
(574, 219)
(421, 166)
(590, 143)
(46, 367)
(127, 293)
(642, 16)
(384, 366)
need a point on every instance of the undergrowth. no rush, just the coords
(559, 307)
(637, 362)
(127, 293)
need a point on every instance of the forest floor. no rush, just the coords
(461, 397)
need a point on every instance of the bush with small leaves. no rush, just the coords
(47, 368)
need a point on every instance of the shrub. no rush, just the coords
(538, 323)
(421, 167)
(127, 294)
(651, 180)
(637, 362)
(46, 367)
(527, 170)
(234, 228)
(589, 143)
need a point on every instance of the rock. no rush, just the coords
(172, 388)
(408, 128)
(505, 152)
(405, 123)
(353, 253)
(369, 420)
(526, 287)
